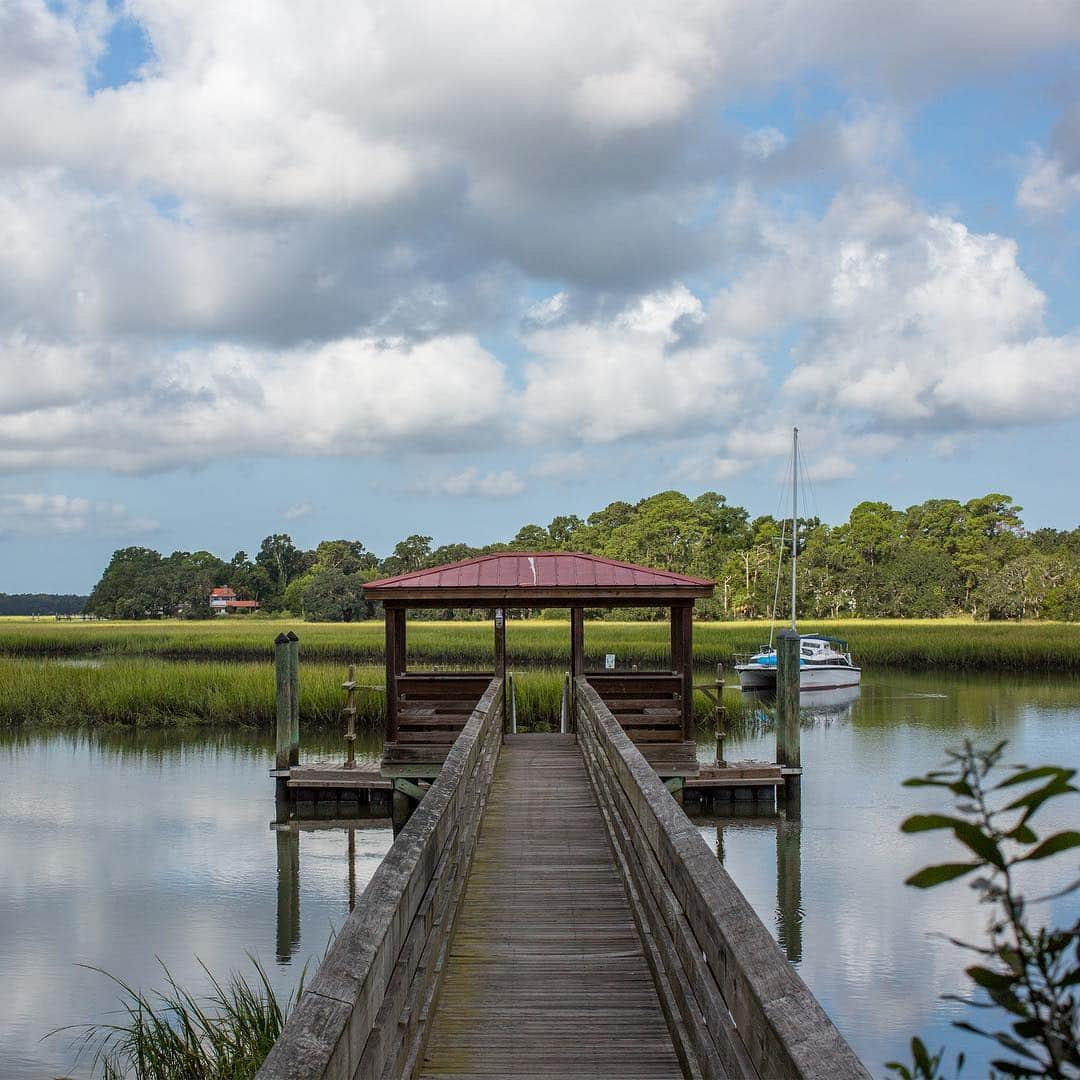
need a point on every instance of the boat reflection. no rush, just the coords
(813, 704)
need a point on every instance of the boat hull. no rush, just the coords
(823, 677)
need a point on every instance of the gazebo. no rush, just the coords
(426, 710)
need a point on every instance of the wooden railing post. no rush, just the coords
(788, 750)
(294, 698)
(282, 701)
(349, 686)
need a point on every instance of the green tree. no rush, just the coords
(562, 529)
(333, 596)
(281, 559)
(408, 555)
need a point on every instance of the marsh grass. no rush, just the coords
(158, 692)
(170, 1034)
(910, 644)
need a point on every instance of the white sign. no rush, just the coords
(609, 661)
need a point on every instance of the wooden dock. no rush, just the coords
(547, 974)
(549, 911)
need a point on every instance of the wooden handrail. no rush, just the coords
(735, 1006)
(363, 1012)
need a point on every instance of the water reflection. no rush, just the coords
(125, 846)
(788, 913)
(120, 846)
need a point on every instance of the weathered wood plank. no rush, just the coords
(347, 1021)
(546, 974)
(784, 1029)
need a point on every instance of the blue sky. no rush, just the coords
(449, 272)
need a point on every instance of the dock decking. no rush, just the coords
(546, 973)
(548, 910)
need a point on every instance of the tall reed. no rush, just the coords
(911, 644)
(171, 1034)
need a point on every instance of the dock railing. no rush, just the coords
(363, 1013)
(734, 1005)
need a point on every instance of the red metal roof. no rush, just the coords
(222, 590)
(538, 569)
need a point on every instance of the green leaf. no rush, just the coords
(930, 876)
(990, 979)
(1024, 834)
(925, 822)
(1034, 799)
(981, 844)
(922, 1058)
(1025, 775)
(1053, 845)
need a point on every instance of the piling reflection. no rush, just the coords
(331, 841)
(789, 908)
(288, 892)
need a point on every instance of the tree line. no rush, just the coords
(940, 557)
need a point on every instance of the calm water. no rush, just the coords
(117, 849)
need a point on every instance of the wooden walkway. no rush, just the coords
(546, 974)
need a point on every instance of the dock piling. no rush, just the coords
(282, 701)
(788, 750)
(294, 698)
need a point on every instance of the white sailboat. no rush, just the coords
(824, 663)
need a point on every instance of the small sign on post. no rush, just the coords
(609, 662)
(499, 617)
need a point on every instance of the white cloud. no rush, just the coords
(645, 371)
(1046, 187)
(298, 510)
(1052, 181)
(30, 514)
(906, 317)
(560, 466)
(471, 482)
(352, 396)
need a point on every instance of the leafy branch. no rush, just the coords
(1030, 971)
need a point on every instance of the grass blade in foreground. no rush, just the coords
(169, 1034)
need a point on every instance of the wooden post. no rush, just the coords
(682, 662)
(577, 658)
(789, 887)
(788, 749)
(500, 660)
(401, 651)
(294, 698)
(392, 615)
(349, 686)
(282, 701)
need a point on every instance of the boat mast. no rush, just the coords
(794, 515)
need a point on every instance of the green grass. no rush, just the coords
(909, 644)
(171, 1034)
(160, 693)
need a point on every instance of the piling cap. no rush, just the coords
(281, 639)
(292, 637)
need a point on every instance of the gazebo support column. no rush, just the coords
(682, 662)
(577, 657)
(395, 656)
(500, 660)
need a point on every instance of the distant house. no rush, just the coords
(223, 600)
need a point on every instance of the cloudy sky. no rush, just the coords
(366, 268)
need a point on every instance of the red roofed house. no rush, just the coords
(223, 600)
